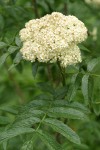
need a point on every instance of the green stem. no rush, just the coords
(62, 71)
(36, 8)
(42, 119)
(41, 122)
(65, 8)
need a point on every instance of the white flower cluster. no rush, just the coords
(94, 2)
(53, 37)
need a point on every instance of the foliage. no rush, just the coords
(43, 106)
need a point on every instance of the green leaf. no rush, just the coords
(28, 122)
(91, 88)
(9, 36)
(35, 104)
(5, 145)
(66, 113)
(36, 112)
(17, 58)
(80, 106)
(83, 48)
(91, 65)
(29, 113)
(12, 66)
(63, 129)
(18, 41)
(46, 87)
(85, 88)
(8, 134)
(73, 87)
(2, 45)
(48, 140)
(43, 96)
(4, 120)
(82, 147)
(3, 58)
(38, 103)
(8, 109)
(60, 93)
(28, 145)
(34, 68)
(68, 146)
(96, 108)
(75, 105)
(16, 61)
(12, 49)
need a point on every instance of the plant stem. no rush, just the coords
(41, 122)
(42, 119)
(65, 8)
(49, 73)
(62, 71)
(36, 8)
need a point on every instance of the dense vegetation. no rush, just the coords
(43, 106)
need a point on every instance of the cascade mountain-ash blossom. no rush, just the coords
(52, 38)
